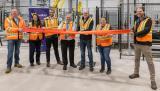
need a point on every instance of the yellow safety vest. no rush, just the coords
(103, 40)
(146, 38)
(35, 36)
(50, 24)
(85, 26)
(62, 36)
(12, 29)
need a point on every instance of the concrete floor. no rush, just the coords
(40, 78)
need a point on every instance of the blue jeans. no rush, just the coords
(13, 48)
(83, 45)
(104, 53)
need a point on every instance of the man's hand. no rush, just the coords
(131, 33)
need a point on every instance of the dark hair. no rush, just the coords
(38, 21)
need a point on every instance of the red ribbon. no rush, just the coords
(62, 31)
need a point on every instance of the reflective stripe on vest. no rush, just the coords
(34, 36)
(103, 40)
(84, 26)
(62, 36)
(147, 37)
(51, 23)
(10, 34)
(10, 24)
(14, 35)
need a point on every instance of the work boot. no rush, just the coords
(8, 70)
(38, 63)
(109, 71)
(18, 65)
(65, 67)
(91, 69)
(153, 85)
(48, 64)
(60, 62)
(102, 69)
(81, 67)
(73, 65)
(133, 76)
(32, 64)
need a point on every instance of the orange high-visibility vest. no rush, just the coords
(84, 26)
(12, 29)
(146, 38)
(35, 36)
(62, 36)
(103, 40)
(50, 23)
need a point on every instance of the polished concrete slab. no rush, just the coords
(40, 78)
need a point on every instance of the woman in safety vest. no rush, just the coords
(104, 43)
(35, 40)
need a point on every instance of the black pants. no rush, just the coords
(49, 42)
(65, 44)
(34, 46)
(1, 41)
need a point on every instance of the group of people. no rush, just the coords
(14, 25)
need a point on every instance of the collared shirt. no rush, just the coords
(145, 31)
(67, 27)
(66, 35)
(16, 20)
(86, 37)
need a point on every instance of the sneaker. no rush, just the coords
(133, 76)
